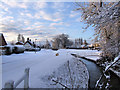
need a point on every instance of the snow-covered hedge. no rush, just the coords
(18, 49)
(2, 50)
(33, 49)
(9, 49)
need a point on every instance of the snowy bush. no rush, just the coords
(18, 49)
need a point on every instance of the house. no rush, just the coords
(28, 45)
(2, 44)
(2, 40)
(96, 44)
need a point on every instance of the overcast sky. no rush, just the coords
(41, 20)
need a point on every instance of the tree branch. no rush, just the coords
(60, 84)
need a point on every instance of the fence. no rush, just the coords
(25, 77)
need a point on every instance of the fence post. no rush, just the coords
(26, 80)
(9, 84)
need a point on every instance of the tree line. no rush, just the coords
(63, 41)
(58, 42)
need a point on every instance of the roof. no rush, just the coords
(28, 42)
(19, 43)
(2, 40)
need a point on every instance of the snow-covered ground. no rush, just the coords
(90, 54)
(42, 63)
(72, 74)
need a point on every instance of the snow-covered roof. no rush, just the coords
(3, 40)
(28, 42)
(19, 46)
(19, 43)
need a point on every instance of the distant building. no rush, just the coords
(2, 44)
(96, 44)
(2, 40)
(28, 44)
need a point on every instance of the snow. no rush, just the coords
(19, 46)
(1, 46)
(9, 46)
(89, 54)
(41, 63)
(115, 60)
(77, 72)
(94, 58)
(118, 57)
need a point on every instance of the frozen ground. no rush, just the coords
(41, 64)
(90, 54)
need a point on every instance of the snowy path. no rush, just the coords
(40, 63)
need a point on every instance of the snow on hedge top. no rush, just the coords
(9, 46)
(18, 45)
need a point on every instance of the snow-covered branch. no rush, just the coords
(107, 68)
(115, 60)
(60, 84)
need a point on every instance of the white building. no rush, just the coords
(28, 45)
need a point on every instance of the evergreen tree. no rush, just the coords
(81, 41)
(20, 38)
(23, 39)
(85, 43)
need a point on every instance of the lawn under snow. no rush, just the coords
(90, 54)
(42, 63)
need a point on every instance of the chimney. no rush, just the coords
(27, 39)
(33, 43)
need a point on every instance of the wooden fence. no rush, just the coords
(11, 84)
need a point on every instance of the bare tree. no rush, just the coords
(61, 41)
(56, 42)
(47, 45)
(105, 18)
(78, 42)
